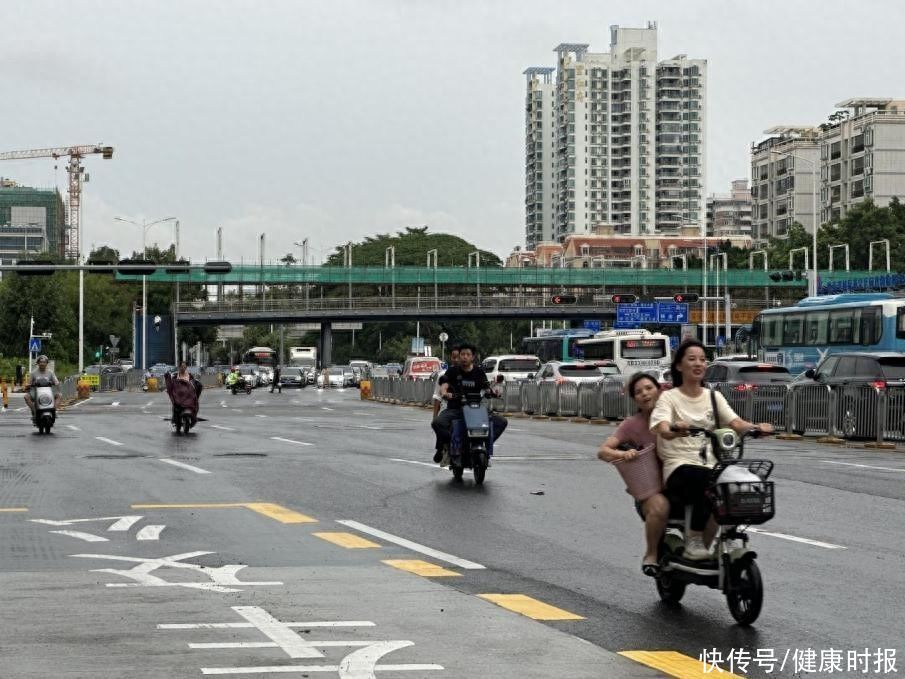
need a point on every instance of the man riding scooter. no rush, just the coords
(465, 379)
(42, 375)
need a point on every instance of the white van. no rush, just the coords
(513, 367)
(420, 367)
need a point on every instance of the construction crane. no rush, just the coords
(77, 175)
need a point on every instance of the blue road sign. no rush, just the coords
(721, 341)
(34, 345)
(592, 325)
(672, 313)
(636, 313)
(673, 342)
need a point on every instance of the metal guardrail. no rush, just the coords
(859, 410)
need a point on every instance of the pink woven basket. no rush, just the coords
(643, 476)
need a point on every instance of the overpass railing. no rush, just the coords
(866, 411)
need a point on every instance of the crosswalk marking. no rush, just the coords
(530, 607)
(422, 568)
(675, 664)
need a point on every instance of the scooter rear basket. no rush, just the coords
(743, 502)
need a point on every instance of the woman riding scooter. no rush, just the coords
(686, 464)
(184, 392)
(635, 433)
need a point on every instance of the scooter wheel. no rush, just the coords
(746, 592)
(480, 469)
(670, 590)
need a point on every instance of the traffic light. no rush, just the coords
(35, 267)
(783, 276)
(685, 298)
(97, 354)
(563, 299)
(147, 267)
(217, 267)
(624, 299)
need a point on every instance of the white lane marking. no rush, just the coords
(120, 523)
(223, 404)
(110, 441)
(865, 466)
(150, 533)
(76, 405)
(344, 670)
(423, 464)
(271, 644)
(19, 410)
(73, 427)
(326, 408)
(87, 537)
(298, 443)
(262, 415)
(793, 538)
(149, 404)
(176, 463)
(248, 625)
(217, 426)
(115, 403)
(548, 458)
(414, 546)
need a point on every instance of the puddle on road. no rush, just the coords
(240, 454)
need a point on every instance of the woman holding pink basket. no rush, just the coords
(632, 439)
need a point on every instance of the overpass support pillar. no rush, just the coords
(326, 344)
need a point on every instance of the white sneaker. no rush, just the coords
(695, 549)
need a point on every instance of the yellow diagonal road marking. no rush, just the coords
(347, 540)
(423, 568)
(268, 509)
(13, 509)
(675, 664)
(530, 607)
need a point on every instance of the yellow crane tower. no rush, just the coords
(77, 175)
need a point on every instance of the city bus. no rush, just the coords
(632, 351)
(798, 337)
(555, 345)
(264, 356)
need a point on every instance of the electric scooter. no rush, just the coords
(741, 496)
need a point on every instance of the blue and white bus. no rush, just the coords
(556, 345)
(799, 336)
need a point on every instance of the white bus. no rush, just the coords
(631, 350)
(303, 357)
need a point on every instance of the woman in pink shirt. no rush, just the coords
(635, 433)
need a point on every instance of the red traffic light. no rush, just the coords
(685, 298)
(624, 299)
(563, 299)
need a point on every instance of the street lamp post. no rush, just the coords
(348, 256)
(833, 247)
(477, 257)
(144, 283)
(751, 268)
(389, 260)
(725, 258)
(812, 278)
(303, 244)
(870, 265)
(429, 254)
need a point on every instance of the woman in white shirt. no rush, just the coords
(687, 461)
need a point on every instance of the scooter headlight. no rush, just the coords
(45, 401)
(727, 438)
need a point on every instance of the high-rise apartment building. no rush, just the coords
(31, 220)
(730, 215)
(628, 140)
(782, 181)
(861, 156)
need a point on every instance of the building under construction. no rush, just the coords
(31, 221)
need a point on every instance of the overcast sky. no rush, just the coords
(333, 119)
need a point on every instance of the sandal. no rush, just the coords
(651, 570)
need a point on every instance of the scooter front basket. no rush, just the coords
(745, 502)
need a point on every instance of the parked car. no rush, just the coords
(607, 367)
(103, 369)
(266, 373)
(293, 377)
(250, 373)
(394, 369)
(512, 367)
(853, 377)
(337, 376)
(756, 391)
(573, 371)
(379, 371)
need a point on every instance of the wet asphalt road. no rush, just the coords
(258, 491)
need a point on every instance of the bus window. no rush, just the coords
(598, 350)
(841, 327)
(900, 323)
(771, 332)
(791, 329)
(815, 328)
(871, 325)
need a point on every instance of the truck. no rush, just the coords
(303, 357)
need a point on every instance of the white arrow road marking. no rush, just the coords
(120, 523)
(76, 405)
(73, 427)
(223, 404)
(217, 426)
(414, 546)
(866, 466)
(815, 543)
(150, 533)
(176, 463)
(110, 441)
(115, 403)
(423, 464)
(87, 537)
(299, 443)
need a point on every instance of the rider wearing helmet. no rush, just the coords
(42, 376)
(233, 377)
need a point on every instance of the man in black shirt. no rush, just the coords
(463, 379)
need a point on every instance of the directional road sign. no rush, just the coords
(672, 313)
(636, 313)
(34, 345)
(592, 325)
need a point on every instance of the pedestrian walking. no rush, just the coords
(276, 380)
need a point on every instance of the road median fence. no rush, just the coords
(865, 411)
